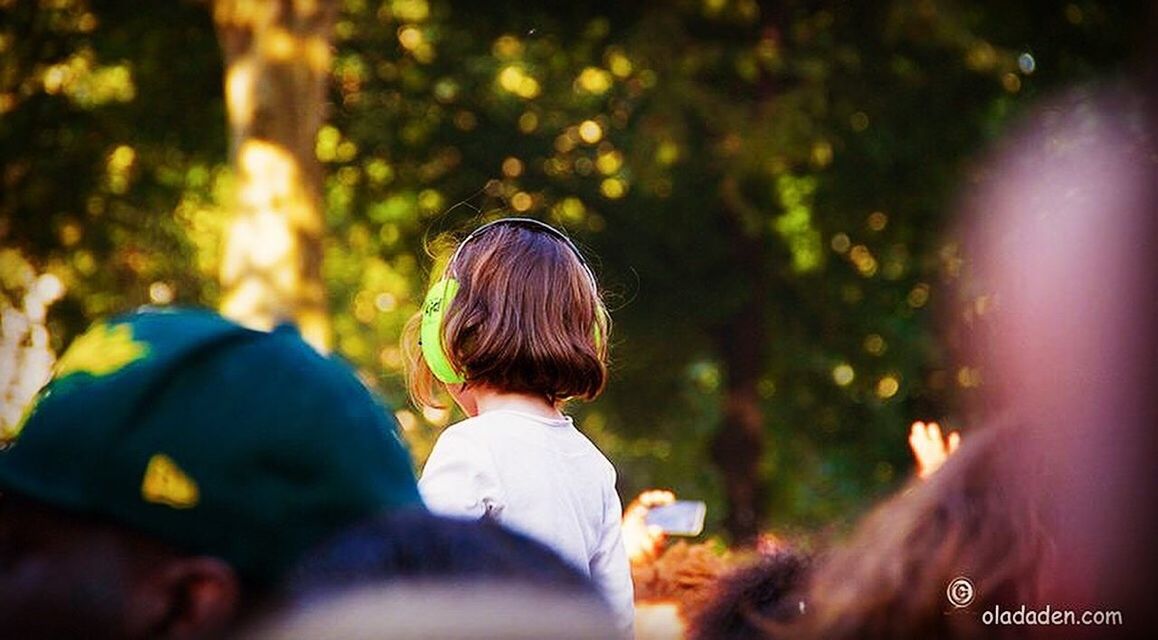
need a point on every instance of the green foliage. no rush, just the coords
(719, 158)
(110, 119)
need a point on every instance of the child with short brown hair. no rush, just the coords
(514, 328)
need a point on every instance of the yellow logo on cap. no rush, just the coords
(165, 483)
(102, 350)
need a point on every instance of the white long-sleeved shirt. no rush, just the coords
(540, 477)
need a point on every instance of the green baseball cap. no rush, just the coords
(221, 440)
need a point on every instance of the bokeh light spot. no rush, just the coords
(160, 293)
(1026, 63)
(512, 167)
(613, 188)
(528, 122)
(887, 387)
(590, 132)
(522, 201)
(593, 80)
(843, 374)
(919, 296)
(875, 344)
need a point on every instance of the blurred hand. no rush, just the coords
(644, 541)
(930, 448)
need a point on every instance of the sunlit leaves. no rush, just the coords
(98, 142)
(331, 147)
(597, 81)
(795, 224)
(87, 84)
(514, 79)
(26, 353)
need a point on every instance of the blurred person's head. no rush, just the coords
(173, 469)
(68, 575)
(753, 600)
(979, 517)
(414, 544)
(413, 574)
(493, 609)
(1063, 233)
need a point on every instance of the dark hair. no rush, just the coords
(748, 602)
(412, 544)
(527, 318)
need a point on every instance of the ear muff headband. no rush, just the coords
(441, 295)
(437, 301)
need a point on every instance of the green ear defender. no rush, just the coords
(441, 295)
(437, 301)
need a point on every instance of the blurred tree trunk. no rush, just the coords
(277, 60)
(742, 342)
